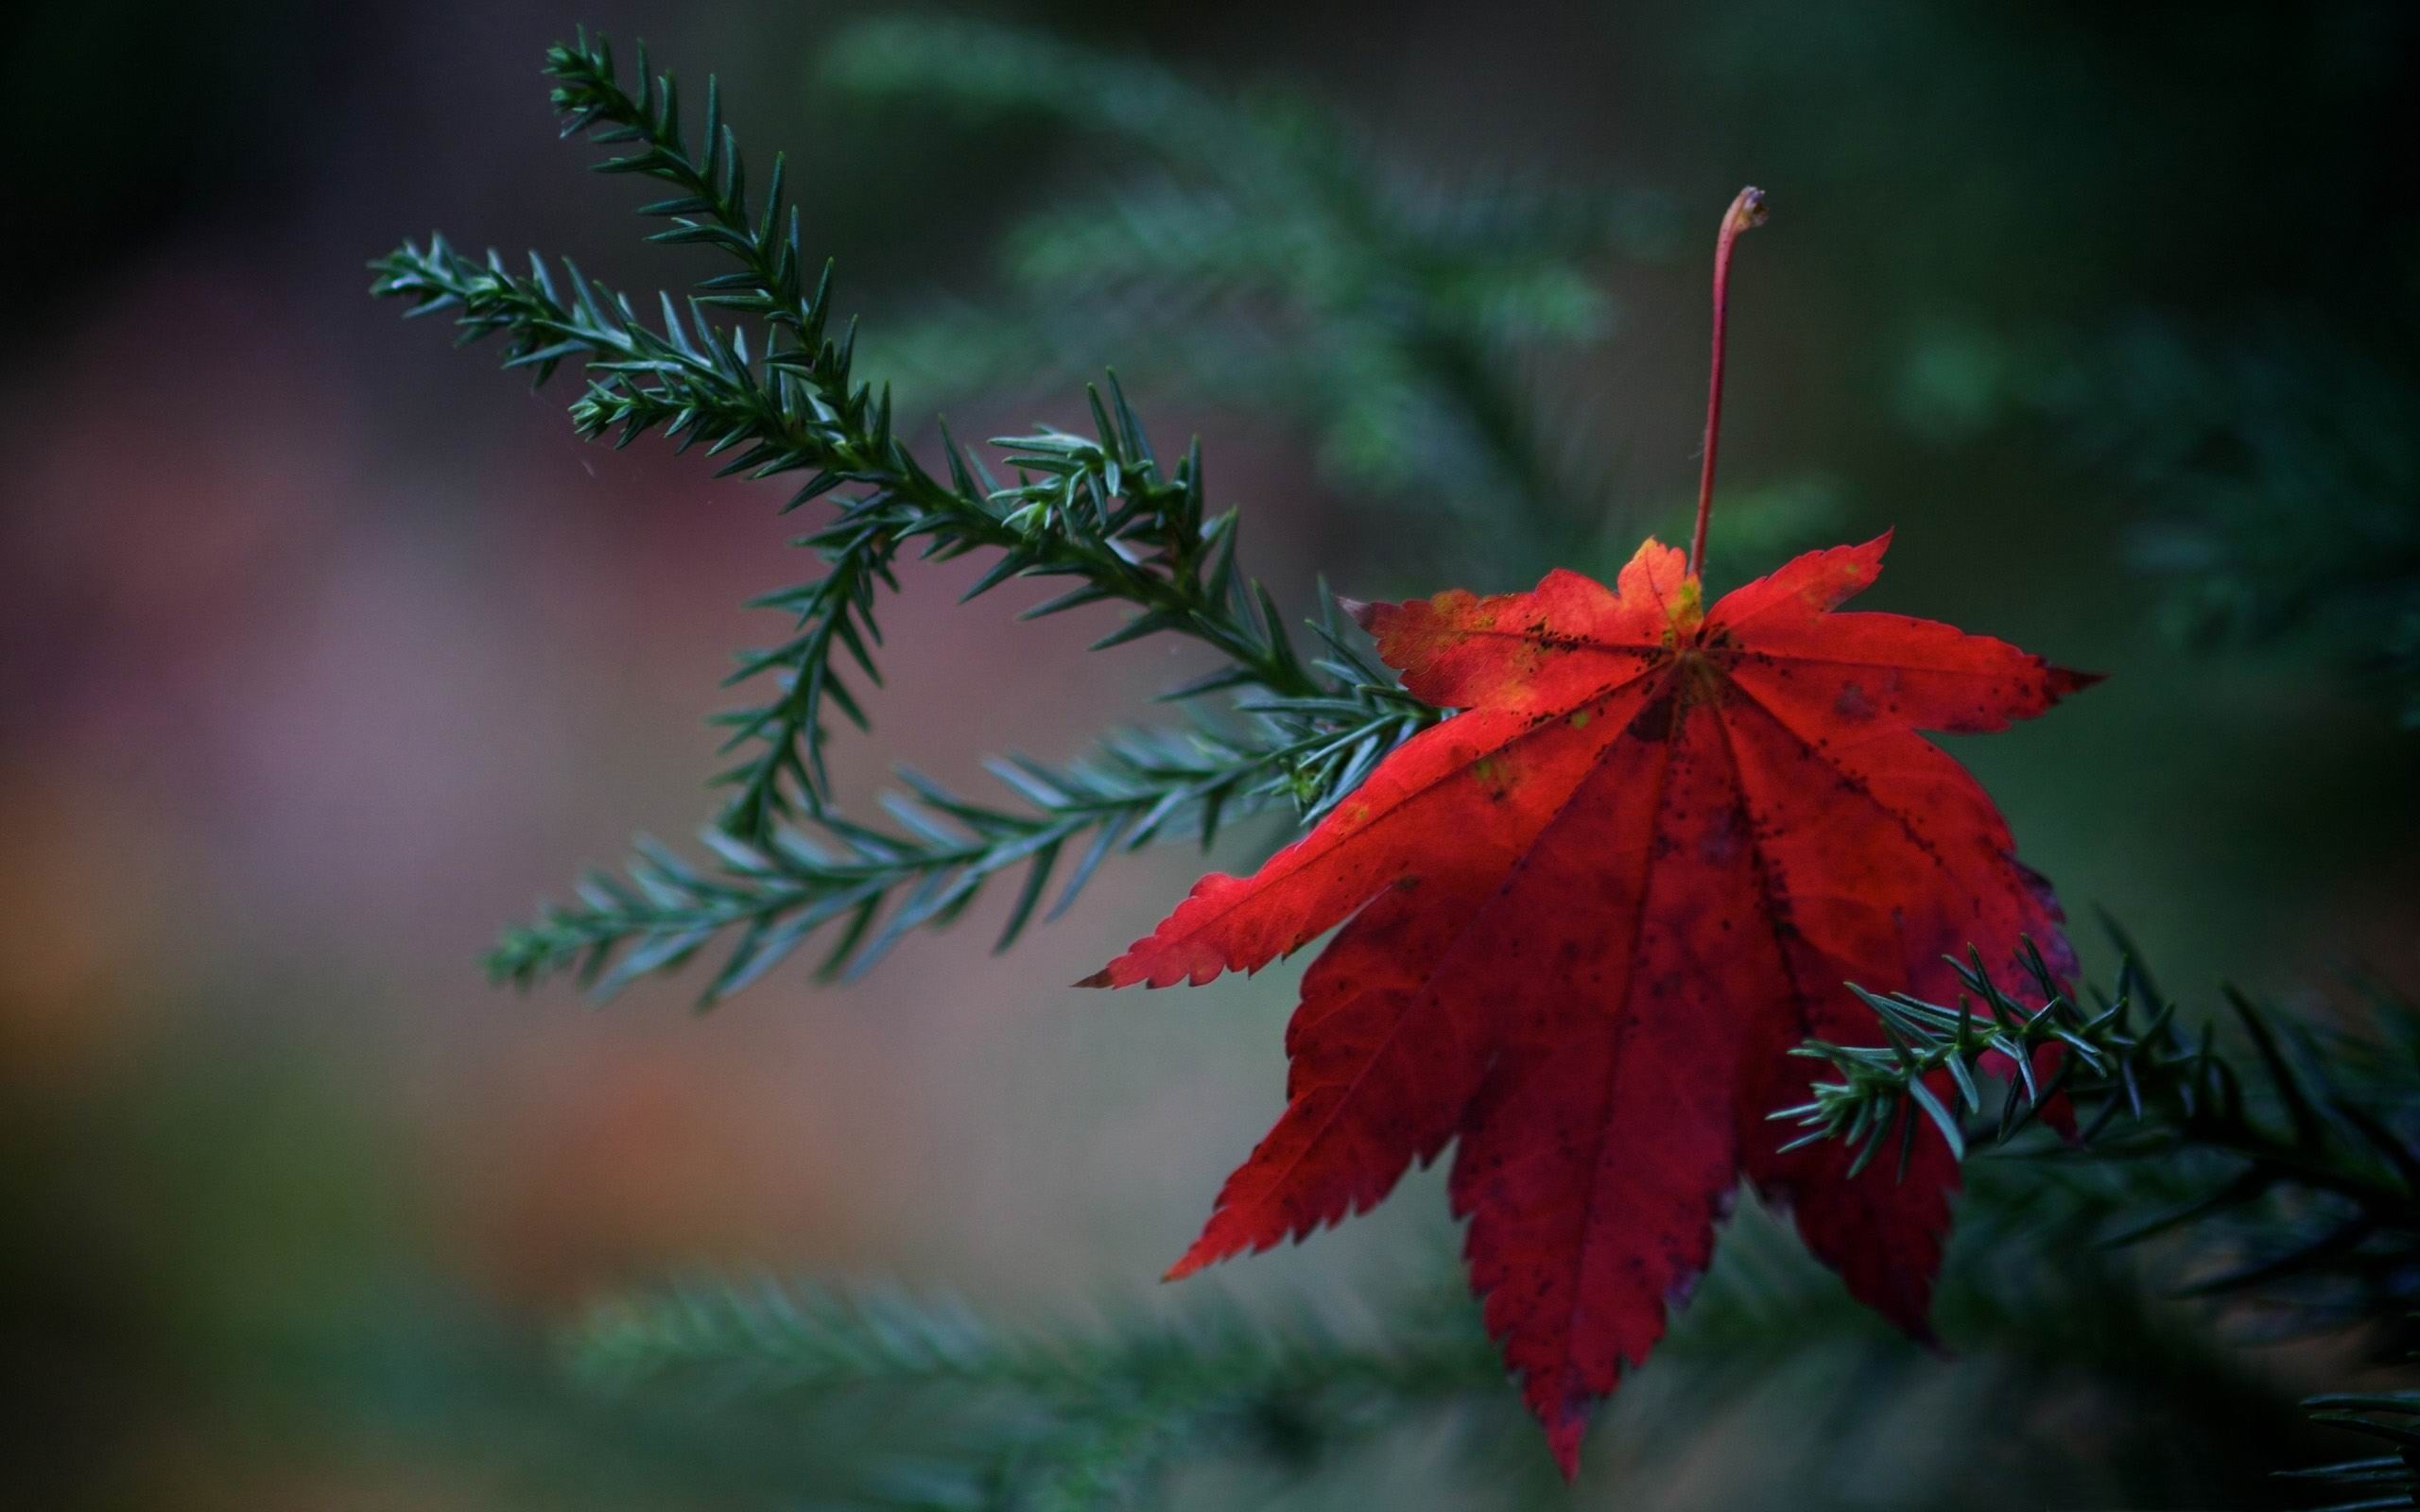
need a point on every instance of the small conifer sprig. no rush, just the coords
(2316, 1131)
(1096, 507)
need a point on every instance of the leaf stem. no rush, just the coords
(1747, 209)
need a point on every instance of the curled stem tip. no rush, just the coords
(1747, 209)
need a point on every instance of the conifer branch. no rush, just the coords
(1096, 507)
(2278, 458)
(2300, 1122)
(1269, 249)
(2393, 1417)
(1099, 508)
(1081, 1418)
(1002, 1410)
(868, 886)
(773, 1337)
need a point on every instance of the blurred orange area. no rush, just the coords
(66, 928)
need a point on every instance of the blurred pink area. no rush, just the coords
(316, 708)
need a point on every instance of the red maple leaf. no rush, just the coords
(1595, 911)
(1587, 918)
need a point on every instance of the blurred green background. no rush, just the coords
(328, 649)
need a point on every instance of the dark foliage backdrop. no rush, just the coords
(325, 651)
